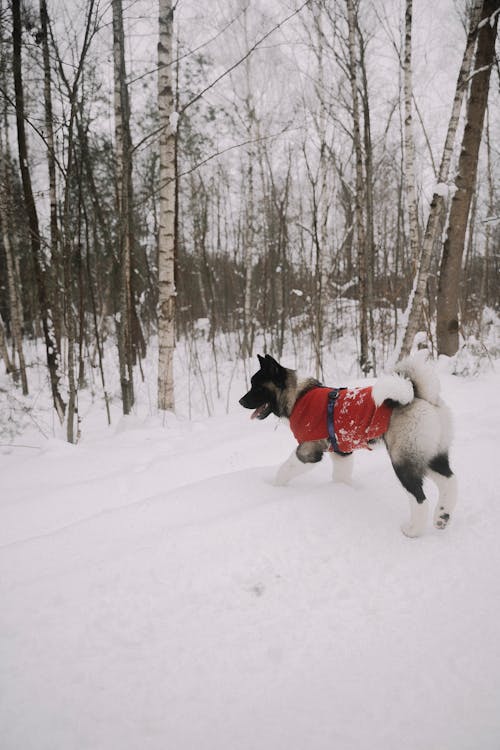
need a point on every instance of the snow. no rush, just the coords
(445, 190)
(159, 592)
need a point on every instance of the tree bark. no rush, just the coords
(451, 262)
(358, 205)
(15, 304)
(124, 194)
(15, 307)
(411, 196)
(56, 269)
(166, 234)
(437, 208)
(4, 352)
(370, 246)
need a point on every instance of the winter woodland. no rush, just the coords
(184, 185)
(227, 179)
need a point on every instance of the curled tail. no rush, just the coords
(412, 378)
(423, 376)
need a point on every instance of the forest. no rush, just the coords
(242, 177)
(184, 186)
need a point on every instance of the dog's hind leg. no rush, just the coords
(412, 480)
(342, 467)
(301, 460)
(446, 482)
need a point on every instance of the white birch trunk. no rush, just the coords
(123, 169)
(323, 200)
(166, 233)
(411, 195)
(250, 257)
(249, 237)
(360, 225)
(418, 294)
(56, 264)
(450, 272)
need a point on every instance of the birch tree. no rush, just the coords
(166, 228)
(447, 328)
(358, 205)
(123, 148)
(438, 204)
(51, 166)
(321, 188)
(409, 144)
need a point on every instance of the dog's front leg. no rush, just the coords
(342, 467)
(300, 460)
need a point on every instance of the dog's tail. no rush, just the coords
(412, 378)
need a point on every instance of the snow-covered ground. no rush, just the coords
(157, 591)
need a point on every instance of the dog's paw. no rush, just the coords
(411, 531)
(441, 519)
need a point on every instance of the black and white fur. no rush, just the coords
(418, 437)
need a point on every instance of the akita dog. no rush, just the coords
(404, 409)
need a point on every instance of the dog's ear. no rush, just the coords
(272, 362)
(276, 371)
(262, 362)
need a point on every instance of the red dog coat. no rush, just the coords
(356, 418)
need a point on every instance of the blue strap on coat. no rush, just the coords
(332, 397)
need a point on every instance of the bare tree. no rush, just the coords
(438, 205)
(447, 327)
(364, 359)
(51, 165)
(13, 283)
(4, 352)
(123, 147)
(409, 144)
(15, 307)
(51, 347)
(166, 233)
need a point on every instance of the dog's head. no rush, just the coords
(269, 385)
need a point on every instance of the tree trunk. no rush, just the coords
(57, 283)
(51, 347)
(249, 255)
(124, 190)
(438, 205)
(488, 242)
(451, 261)
(370, 247)
(411, 196)
(4, 352)
(69, 314)
(166, 234)
(358, 206)
(321, 198)
(6, 213)
(15, 305)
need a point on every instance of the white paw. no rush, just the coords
(441, 519)
(410, 530)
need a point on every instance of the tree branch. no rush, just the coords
(226, 73)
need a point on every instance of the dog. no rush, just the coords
(404, 409)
